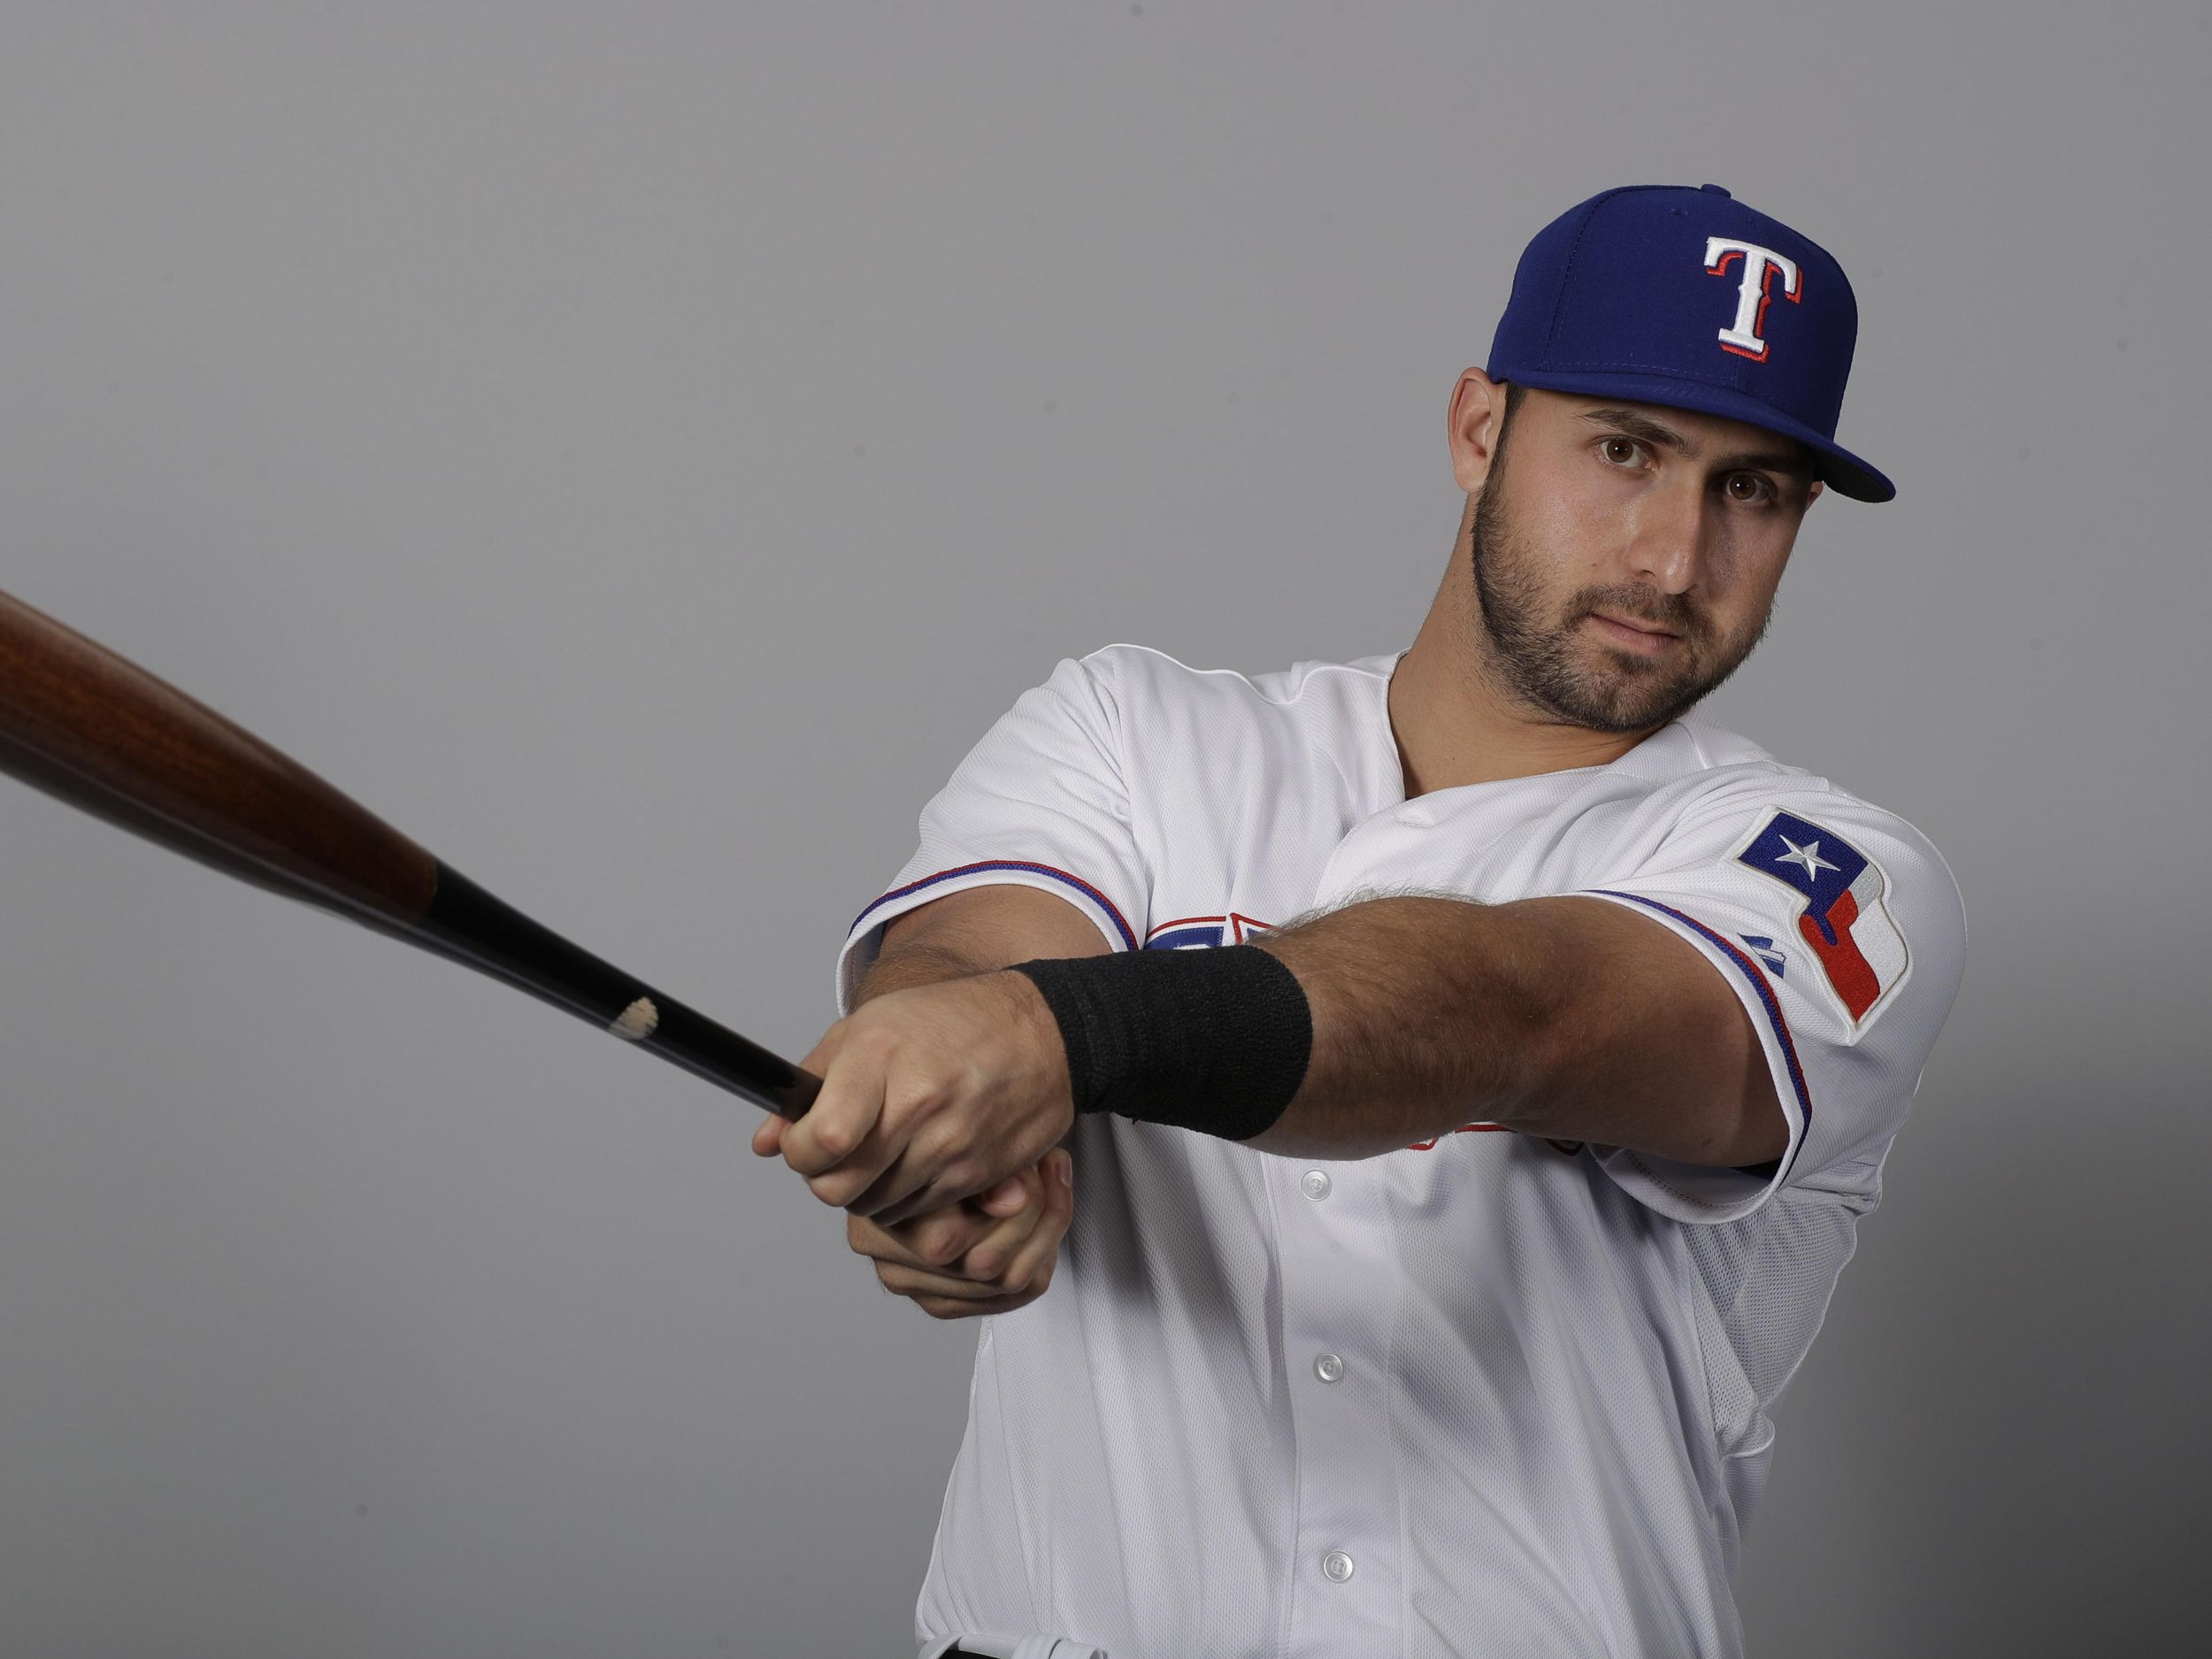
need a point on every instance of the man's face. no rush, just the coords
(1625, 555)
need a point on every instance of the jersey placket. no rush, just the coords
(1340, 1288)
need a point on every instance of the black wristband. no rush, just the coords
(1212, 1039)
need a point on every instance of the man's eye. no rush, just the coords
(1748, 487)
(1621, 451)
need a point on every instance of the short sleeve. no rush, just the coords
(1841, 930)
(1040, 802)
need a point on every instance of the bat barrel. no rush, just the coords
(99, 732)
(483, 931)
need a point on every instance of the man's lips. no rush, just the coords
(1635, 636)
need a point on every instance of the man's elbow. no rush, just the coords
(1693, 1084)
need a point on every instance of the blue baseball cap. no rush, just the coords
(1661, 294)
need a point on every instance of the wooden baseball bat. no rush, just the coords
(97, 731)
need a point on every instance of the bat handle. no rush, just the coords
(483, 931)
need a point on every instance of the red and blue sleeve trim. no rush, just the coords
(1121, 923)
(1759, 982)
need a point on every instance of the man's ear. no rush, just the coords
(1471, 423)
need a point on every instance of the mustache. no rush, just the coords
(1674, 612)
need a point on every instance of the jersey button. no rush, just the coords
(1315, 1183)
(1328, 1368)
(1336, 1566)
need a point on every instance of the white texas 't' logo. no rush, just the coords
(1742, 336)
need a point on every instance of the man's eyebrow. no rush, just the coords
(1794, 463)
(1790, 463)
(1636, 426)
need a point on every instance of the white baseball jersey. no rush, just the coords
(1489, 1394)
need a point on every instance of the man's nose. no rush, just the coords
(1666, 544)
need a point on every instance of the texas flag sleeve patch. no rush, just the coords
(1844, 920)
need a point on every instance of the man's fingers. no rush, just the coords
(847, 1108)
(947, 1297)
(914, 1281)
(917, 1189)
(942, 1240)
(877, 1166)
(923, 1176)
(768, 1138)
(988, 1258)
(930, 1243)
(1034, 1253)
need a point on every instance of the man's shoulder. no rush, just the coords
(1160, 700)
(1733, 776)
(1316, 719)
(1126, 664)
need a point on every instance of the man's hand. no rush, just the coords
(985, 1255)
(930, 1095)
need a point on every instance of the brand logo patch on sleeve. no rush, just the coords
(1199, 933)
(1845, 920)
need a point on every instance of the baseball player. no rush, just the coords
(1401, 1120)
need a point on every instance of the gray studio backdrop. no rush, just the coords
(636, 449)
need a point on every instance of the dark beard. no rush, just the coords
(1539, 661)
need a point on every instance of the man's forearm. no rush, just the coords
(911, 966)
(1428, 1013)
(1568, 1016)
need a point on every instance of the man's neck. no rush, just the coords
(1455, 725)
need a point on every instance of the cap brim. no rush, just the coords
(1840, 469)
